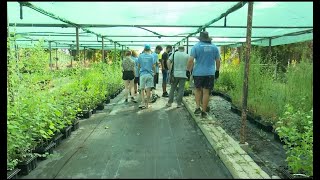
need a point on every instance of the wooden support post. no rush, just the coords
(187, 45)
(84, 54)
(103, 58)
(246, 75)
(115, 55)
(224, 53)
(122, 53)
(71, 56)
(56, 57)
(77, 41)
(50, 58)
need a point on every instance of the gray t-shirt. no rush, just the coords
(180, 63)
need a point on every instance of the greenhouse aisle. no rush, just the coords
(123, 141)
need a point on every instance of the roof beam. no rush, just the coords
(234, 8)
(29, 5)
(29, 34)
(173, 26)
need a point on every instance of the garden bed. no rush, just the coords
(270, 152)
(42, 149)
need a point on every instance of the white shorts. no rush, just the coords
(146, 81)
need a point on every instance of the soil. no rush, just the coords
(264, 150)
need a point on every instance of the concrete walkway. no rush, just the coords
(123, 141)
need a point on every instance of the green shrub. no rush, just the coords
(295, 127)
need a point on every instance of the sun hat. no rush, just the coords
(204, 36)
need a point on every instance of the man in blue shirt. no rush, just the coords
(146, 64)
(205, 70)
(156, 75)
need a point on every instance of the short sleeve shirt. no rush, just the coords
(156, 60)
(128, 64)
(205, 55)
(136, 67)
(180, 64)
(146, 62)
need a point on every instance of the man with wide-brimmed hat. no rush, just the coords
(205, 69)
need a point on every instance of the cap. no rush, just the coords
(147, 47)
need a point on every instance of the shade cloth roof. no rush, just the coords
(133, 24)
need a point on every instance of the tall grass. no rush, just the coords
(267, 96)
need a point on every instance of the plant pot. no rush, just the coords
(266, 126)
(13, 174)
(75, 125)
(108, 100)
(45, 148)
(235, 109)
(57, 138)
(250, 117)
(66, 132)
(87, 114)
(227, 97)
(100, 106)
(214, 93)
(276, 137)
(27, 165)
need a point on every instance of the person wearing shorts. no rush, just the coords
(128, 75)
(205, 69)
(146, 64)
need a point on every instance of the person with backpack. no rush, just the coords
(178, 65)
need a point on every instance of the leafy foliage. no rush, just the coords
(43, 102)
(295, 128)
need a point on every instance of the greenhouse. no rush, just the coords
(68, 113)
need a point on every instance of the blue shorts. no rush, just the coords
(164, 76)
(146, 81)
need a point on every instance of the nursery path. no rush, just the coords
(122, 141)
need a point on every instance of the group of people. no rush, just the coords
(202, 65)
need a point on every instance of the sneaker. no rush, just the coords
(203, 114)
(142, 106)
(153, 99)
(133, 100)
(197, 111)
(179, 106)
(168, 104)
(165, 94)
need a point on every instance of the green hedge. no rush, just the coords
(37, 109)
